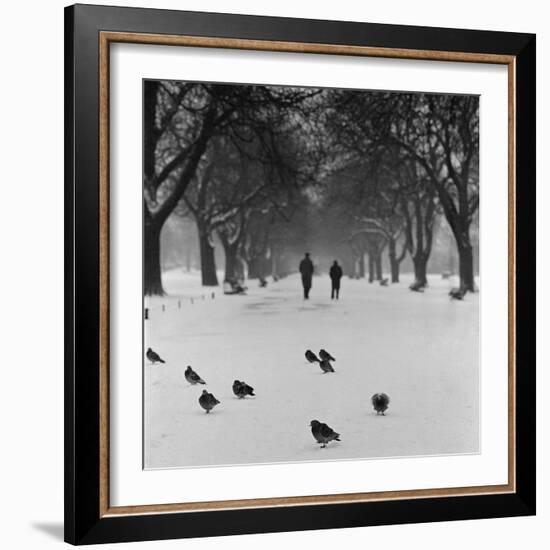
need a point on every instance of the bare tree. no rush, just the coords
(162, 104)
(392, 229)
(224, 186)
(180, 119)
(441, 133)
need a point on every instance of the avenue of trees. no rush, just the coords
(264, 172)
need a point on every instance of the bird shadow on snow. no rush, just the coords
(313, 448)
(211, 413)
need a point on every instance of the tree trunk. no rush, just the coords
(230, 264)
(208, 261)
(188, 259)
(231, 260)
(420, 262)
(254, 267)
(275, 260)
(150, 131)
(378, 266)
(152, 279)
(361, 266)
(394, 264)
(466, 259)
(239, 267)
(152, 276)
(371, 268)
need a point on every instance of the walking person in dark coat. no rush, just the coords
(335, 276)
(306, 269)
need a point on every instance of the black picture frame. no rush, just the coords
(84, 523)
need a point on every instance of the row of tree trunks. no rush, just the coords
(375, 267)
(371, 244)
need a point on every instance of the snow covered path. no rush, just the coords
(420, 349)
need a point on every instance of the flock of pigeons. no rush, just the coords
(322, 432)
(207, 400)
(324, 362)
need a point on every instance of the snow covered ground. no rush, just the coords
(420, 349)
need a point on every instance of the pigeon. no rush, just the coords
(153, 356)
(384, 282)
(207, 401)
(326, 366)
(311, 357)
(192, 377)
(380, 402)
(457, 293)
(322, 433)
(242, 389)
(324, 354)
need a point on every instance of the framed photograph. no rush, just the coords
(300, 280)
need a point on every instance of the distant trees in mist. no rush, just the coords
(268, 171)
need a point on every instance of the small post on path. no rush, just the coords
(191, 300)
(213, 295)
(163, 307)
(146, 313)
(179, 304)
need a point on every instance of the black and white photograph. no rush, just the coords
(311, 274)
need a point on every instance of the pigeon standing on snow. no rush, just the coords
(322, 433)
(207, 401)
(311, 357)
(326, 366)
(153, 356)
(324, 354)
(242, 389)
(380, 402)
(192, 377)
